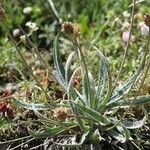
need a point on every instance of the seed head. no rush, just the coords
(61, 113)
(147, 19)
(71, 28)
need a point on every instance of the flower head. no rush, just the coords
(144, 28)
(6, 109)
(125, 36)
(71, 28)
(61, 113)
(147, 20)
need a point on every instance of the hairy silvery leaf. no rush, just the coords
(117, 135)
(57, 60)
(72, 142)
(94, 115)
(140, 100)
(106, 71)
(102, 77)
(67, 67)
(134, 124)
(81, 97)
(29, 106)
(122, 90)
(59, 79)
(49, 132)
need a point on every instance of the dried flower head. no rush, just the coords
(71, 28)
(2, 14)
(61, 113)
(6, 109)
(147, 19)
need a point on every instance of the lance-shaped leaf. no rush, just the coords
(49, 132)
(105, 100)
(92, 90)
(134, 124)
(81, 97)
(57, 59)
(73, 96)
(59, 79)
(102, 77)
(117, 135)
(67, 67)
(72, 142)
(37, 106)
(140, 100)
(122, 90)
(124, 131)
(94, 115)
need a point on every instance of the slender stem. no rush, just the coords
(36, 147)
(35, 50)
(54, 9)
(33, 47)
(15, 140)
(23, 143)
(127, 45)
